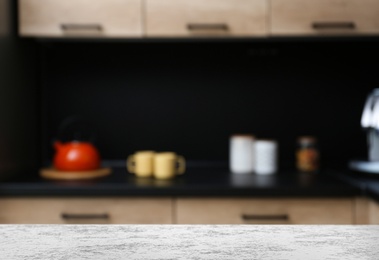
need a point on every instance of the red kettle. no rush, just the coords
(74, 151)
(76, 156)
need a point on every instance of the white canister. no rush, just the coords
(241, 158)
(266, 156)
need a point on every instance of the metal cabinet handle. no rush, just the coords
(333, 25)
(70, 216)
(250, 217)
(81, 27)
(207, 26)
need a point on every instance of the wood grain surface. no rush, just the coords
(51, 173)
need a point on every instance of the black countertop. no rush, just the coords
(368, 183)
(212, 181)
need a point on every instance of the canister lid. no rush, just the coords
(242, 136)
(307, 139)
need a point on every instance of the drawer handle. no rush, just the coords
(207, 26)
(69, 216)
(333, 25)
(249, 217)
(81, 27)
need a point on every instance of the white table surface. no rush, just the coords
(189, 242)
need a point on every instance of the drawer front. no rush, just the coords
(323, 17)
(85, 211)
(182, 18)
(264, 211)
(94, 18)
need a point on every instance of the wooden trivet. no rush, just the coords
(51, 173)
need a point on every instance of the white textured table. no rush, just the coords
(188, 242)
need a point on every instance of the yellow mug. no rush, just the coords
(141, 163)
(168, 164)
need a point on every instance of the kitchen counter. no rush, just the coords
(212, 181)
(367, 183)
(188, 242)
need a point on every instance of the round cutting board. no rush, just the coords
(51, 173)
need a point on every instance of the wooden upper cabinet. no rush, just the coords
(324, 17)
(94, 18)
(197, 18)
(188, 18)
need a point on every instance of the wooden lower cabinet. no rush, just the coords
(373, 212)
(366, 211)
(86, 211)
(170, 210)
(264, 211)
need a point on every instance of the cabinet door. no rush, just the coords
(264, 211)
(94, 18)
(373, 212)
(85, 211)
(324, 17)
(174, 18)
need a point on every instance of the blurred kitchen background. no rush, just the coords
(188, 94)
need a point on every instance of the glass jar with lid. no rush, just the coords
(307, 154)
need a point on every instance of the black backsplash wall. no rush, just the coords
(189, 97)
(19, 125)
